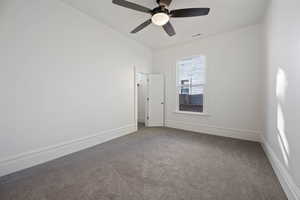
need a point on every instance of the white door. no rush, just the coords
(155, 100)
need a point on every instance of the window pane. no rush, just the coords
(190, 83)
(197, 90)
(191, 101)
(191, 71)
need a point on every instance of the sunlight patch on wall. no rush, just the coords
(281, 136)
(281, 85)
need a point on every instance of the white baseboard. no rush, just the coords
(213, 130)
(288, 184)
(39, 156)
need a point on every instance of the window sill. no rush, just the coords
(191, 113)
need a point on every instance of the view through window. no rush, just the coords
(190, 84)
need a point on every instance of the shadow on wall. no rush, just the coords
(281, 86)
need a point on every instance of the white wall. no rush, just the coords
(234, 83)
(66, 82)
(281, 138)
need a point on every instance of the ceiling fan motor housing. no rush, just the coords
(164, 3)
(160, 10)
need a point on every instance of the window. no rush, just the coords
(190, 84)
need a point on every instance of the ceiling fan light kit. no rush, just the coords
(160, 19)
(160, 15)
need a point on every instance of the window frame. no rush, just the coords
(204, 112)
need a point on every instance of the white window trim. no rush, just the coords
(205, 110)
(191, 113)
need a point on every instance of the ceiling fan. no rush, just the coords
(161, 15)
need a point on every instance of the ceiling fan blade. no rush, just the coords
(164, 2)
(189, 12)
(140, 27)
(132, 6)
(169, 29)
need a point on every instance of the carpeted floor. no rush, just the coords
(152, 164)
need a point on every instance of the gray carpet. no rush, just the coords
(152, 164)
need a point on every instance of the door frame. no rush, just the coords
(135, 72)
(136, 102)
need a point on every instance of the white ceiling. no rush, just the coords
(225, 15)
